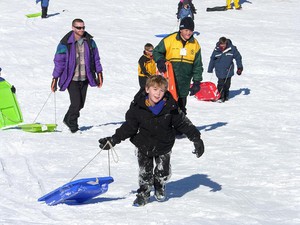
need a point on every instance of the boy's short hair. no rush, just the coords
(148, 46)
(223, 40)
(77, 20)
(157, 80)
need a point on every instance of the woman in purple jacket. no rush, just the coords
(77, 64)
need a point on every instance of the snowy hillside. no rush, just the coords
(249, 173)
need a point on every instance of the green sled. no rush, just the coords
(10, 113)
(33, 15)
(38, 127)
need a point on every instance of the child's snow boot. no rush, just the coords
(141, 199)
(160, 194)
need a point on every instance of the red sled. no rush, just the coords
(208, 92)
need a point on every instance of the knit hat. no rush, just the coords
(185, 2)
(187, 23)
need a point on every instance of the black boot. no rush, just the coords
(141, 199)
(160, 193)
(44, 12)
(159, 189)
(143, 196)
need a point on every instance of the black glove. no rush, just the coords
(106, 143)
(199, 148)
(195, 88)
(54, 85)
(161, 65)
(239, 71)
(13, 89)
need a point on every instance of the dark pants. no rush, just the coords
(182, 104)
(44, 12)
(77, 92)
(223, 87)
(150, 175)
(142, 81)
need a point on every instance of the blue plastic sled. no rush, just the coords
(78, 190)
(165, 35)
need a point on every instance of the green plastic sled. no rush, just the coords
(10, 113)
(38, 127)
(33, 15)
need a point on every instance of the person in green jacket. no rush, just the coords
(184, 53)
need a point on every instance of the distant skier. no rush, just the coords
(222, 60)
(185, 11)
(191, 5)
(236, 4)
(150, 124)
(44, 5)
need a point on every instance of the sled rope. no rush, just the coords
(113, 151)
(11, 120)
(54, 108)
(114, 155)
(42, 107)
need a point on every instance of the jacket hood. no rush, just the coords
(229, 43)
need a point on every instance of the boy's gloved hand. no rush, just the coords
(199, 148)
(161, 65)
(239, 71)
(195, 88)
(106, 143)
(54, 85)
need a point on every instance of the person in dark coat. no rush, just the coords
(150, 124)
(77, 65)
(222, 61)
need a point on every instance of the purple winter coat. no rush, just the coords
(65, 60)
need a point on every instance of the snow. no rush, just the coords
(249, 173)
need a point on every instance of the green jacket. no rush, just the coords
(186, 67)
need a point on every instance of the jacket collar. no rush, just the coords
(69, 37)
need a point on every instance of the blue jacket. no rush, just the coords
(185, 12)
(44, 3)
(223, 61)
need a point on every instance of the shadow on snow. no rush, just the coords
(178, 188)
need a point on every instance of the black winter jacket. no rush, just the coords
(153, 134)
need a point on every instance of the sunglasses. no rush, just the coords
(80, 28)
(149, 50)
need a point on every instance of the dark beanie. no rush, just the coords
(187, 23)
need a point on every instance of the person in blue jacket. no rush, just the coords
(44, 5)
(222, 61)
(185, 11)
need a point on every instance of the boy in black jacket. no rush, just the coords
(150, 124)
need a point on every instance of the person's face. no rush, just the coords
(149, 52)
(155, 93)
(222, 46)
(186, 34)
(78, 28)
